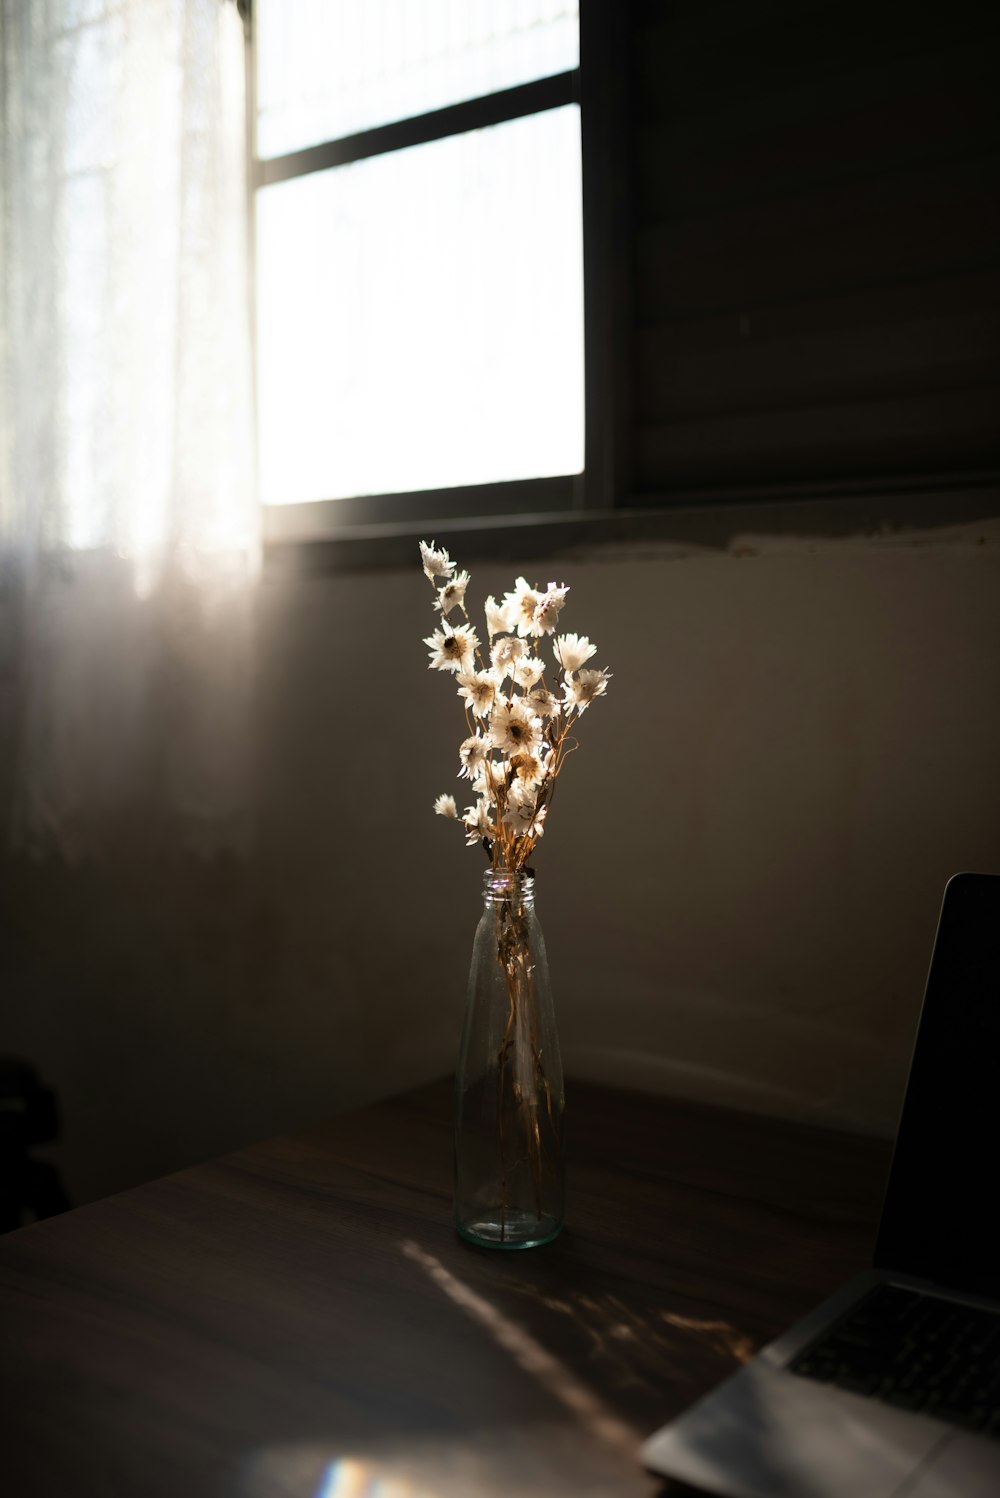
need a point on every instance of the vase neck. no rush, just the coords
(501, 886)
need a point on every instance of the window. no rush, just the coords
(419, 255)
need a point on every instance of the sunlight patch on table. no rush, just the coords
(529, 1354)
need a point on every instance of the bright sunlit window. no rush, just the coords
(419, 307)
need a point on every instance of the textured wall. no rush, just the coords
(739, 885)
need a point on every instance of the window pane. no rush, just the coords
(327, 68)
(420, 316)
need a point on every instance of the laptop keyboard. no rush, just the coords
(917, 1352)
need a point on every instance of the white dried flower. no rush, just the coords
(548, 609)
(490, 778)
(522, 813)
(478, 824)
(472, 752)
(452, 595)
(521, 606)
(580, 690)
(452, 649)
(479, 689)
(445, 806)
(437, 563)
(514, 727)
(543, 702)
(498, 621)
(528, 671)
(572, 651)
(529, 768)
(506, 653)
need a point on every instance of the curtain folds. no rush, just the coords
(129, 532)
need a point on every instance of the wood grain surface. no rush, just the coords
(299, 1319)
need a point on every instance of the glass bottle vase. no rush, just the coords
(509, 1099)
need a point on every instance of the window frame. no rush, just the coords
(600, 508)
(498, 506)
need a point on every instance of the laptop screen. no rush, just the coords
(939, 1215)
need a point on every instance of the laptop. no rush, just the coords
(891, 1388)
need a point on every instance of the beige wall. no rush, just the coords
(739, 885)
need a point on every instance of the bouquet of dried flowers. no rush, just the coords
(510, 1102)
(519, 729)
(509, 1089)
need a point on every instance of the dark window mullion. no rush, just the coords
(436, 124)
(606, 62)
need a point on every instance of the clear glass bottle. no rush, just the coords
(509, 1099)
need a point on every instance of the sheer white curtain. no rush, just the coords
(128, 509)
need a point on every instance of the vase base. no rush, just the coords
(518, 1230)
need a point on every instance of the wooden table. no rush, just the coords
(300, 1320)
